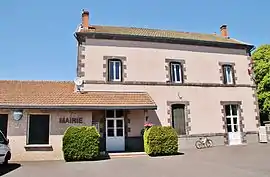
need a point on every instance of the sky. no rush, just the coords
(37, 42)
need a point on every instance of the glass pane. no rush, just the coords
(119, 132)
(172, 72)
(119, 113)
(228, 120)
(229, 128)
(229, 74)
(234, 110)
(235, 120)
(38, 129)
(111, 70)
(110, 113)
(110, 123)
(178, 73)
(117, 70)
(111, 132)
(227, 110)
(235, 128)
(119, 123)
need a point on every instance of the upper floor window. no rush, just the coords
(228, 76)
(115, 70)
(176, 72)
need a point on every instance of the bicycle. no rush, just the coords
(203, 142)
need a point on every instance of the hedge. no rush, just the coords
(160, 140)
(81, 143)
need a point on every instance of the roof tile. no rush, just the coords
(53, 93)
(160, 33)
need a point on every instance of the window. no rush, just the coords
(228, 77)
(176, 72)
(38, 129)
(114, 113)
(115, 70)
(178, 118)
(231, 113)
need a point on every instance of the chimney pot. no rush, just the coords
(224, 30)
(85, 19)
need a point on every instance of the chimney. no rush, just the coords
(224, 31)
(85, 19)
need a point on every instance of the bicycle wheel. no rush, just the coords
(198, 144)
(209, 143)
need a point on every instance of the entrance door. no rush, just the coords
(115, 133)
(233, 127)
(178, 118)
(4, 123)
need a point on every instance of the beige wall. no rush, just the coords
(146, 61)
(205, 108)
(136, 124)
(17, 134)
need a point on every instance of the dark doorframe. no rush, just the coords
(4, 123)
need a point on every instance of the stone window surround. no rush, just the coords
(187, 114)
(256, 109)
(241, 119)
(80, 61)
(221, 64)
(168, 69)
(123, 60)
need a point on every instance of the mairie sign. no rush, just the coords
(71, 120)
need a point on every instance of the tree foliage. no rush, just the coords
(261, 59)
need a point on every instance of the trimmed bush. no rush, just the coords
(81, 143)
(160, 140)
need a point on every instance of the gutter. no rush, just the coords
(139, 107)
(162, 39)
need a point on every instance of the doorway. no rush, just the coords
(233, 125)
(4, 123)
(115, 131)
(179, 118)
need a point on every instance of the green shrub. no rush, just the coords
(81, 143)
(160, 140)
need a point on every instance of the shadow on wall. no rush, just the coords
(4, 169)
(153, 117)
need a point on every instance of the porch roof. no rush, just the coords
(62, 95)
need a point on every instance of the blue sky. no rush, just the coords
(37, 43)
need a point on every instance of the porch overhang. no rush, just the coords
(61, 95)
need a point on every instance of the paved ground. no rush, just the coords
(238, 161)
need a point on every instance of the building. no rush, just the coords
(197, 83)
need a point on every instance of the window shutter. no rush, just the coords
(182, 73)
(233, 74)
(224, 74)
(171, 72)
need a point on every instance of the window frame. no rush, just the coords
(114, 61)
(28, 128)
(173, 72)
(225, 74)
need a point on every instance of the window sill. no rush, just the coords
(38, 147)
(114, 82)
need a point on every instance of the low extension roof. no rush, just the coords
(160, 34)
(61, 94)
